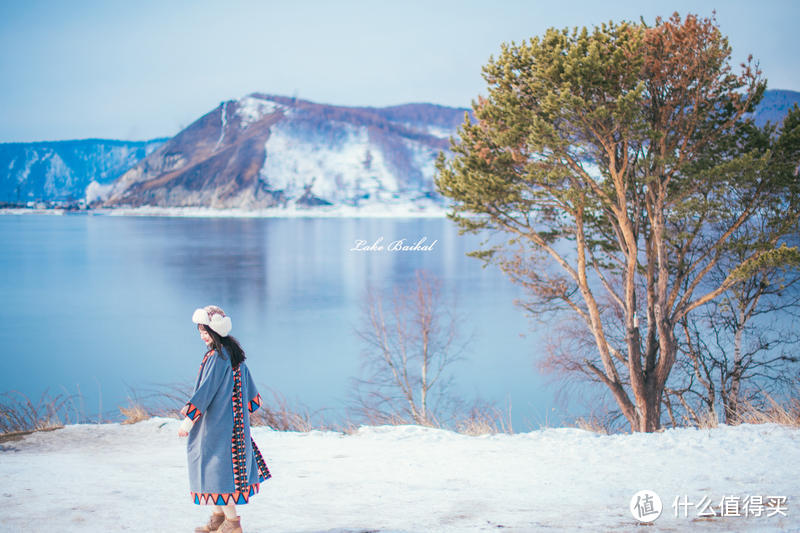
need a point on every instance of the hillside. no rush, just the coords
(262, 151)
(66, 170)
(266, 151)
(774, 105)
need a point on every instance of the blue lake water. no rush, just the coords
(102, 305)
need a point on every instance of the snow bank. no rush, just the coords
(403, 478)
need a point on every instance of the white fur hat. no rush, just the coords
(213, 317)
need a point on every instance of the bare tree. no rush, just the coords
(410, 339)
(739, 347)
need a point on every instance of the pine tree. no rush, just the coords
(619, 166)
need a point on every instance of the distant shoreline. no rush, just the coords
(372, 211)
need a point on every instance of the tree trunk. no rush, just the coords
(424, 392)
(731, 391)
(650, 411)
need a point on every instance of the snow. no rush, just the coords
(96, 191)
(431, 129)
(31, 158)
(152, 147)
(424, 159)
(372, 210)
(223, 122)
(58, 176)
(442, 133)
(251, 109)
(345, 163)
(334, 160)
(401, 478)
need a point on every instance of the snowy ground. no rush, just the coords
(404, 478)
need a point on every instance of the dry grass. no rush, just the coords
(162, 400)
(282, 417)
(134, 413)
(485, 420)
(478, 418)
(18, 413)
(601, 419)
(593, 424)
(772, 412)
(707, 419)
(481, 420)
(167, 402)
(376, 418)
(769, 411)
(379, 418)
(348, 427)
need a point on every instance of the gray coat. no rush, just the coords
(225, 465)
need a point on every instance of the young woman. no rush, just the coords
(225, 465)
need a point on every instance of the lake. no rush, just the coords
(101, 306)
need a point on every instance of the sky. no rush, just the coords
(147, 69)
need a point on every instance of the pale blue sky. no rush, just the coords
(144, 69)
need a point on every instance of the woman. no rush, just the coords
(225, 466)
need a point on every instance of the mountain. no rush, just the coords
(774, 106)
(261, 151)
(265, 151)
(65, 170)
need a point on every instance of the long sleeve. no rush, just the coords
(254, 398)
(213, 374)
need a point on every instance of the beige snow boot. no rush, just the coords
(214, 523)
(231, 525)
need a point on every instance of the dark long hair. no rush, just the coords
(231, 345)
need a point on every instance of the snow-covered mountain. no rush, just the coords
(66, 170)
(268, 151)
(774, 106)
(261, 151)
